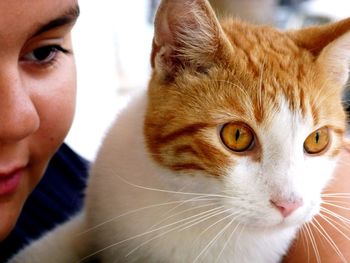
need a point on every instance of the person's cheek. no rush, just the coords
(55, 103)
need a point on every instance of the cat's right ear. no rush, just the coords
(187, 35)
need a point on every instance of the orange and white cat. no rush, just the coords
(224, 157)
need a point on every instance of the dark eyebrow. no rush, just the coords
(68, 17)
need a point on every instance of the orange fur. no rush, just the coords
(233, 71)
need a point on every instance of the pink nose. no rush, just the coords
(287, 207)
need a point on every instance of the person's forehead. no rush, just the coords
(19, 18)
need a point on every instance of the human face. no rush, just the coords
(37, 95)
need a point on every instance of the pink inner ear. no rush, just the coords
(172, 18)
(336, 58)
(186, 33)
(163, 34)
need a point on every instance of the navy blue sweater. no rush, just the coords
(59, 195)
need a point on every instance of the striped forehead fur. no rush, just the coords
(227, 72)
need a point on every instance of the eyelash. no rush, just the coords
(50, 55)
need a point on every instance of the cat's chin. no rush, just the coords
(281, 225)
(273, 221)
(293, 222)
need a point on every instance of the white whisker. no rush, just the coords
(172, 229)
(215, 223)
(333, 223)
(204, 219)
(313, 243)
(332, 201)
(336, 195)
(329, 212)
(182, 212)
(239, 235)
(226, 243)
(170, 191)
(146, 233)
(130, 213)
(335, 205)
(217, 236)
(306, 240)
(329, 240)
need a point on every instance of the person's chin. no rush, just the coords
(8, 220)
(10, 209)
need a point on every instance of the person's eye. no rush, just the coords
(44, 55)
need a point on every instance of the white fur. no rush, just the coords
(128, 193)
(134, 166)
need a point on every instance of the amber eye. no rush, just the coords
(237, 136)
(317, 141)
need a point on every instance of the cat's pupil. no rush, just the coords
(317, 137)
(238, 134)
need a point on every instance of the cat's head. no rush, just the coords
(248, 111)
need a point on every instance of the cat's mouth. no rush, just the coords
(272, 219)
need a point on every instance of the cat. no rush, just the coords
(225, 155)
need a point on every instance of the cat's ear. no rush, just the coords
(187, 34)
(336, 59)
(331, 45)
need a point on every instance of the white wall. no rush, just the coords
(112, 42)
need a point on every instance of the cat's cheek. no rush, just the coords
(314, 210)
(250, 196)
(304, 214)
(251, 193)
(318, 174)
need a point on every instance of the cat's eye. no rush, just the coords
(237, 137)
(317, 141)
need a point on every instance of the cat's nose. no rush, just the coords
(287, 207)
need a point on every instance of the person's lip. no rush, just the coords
(9, 180)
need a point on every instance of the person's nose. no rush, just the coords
(18, 115)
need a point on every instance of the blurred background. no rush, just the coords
(112, 42)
